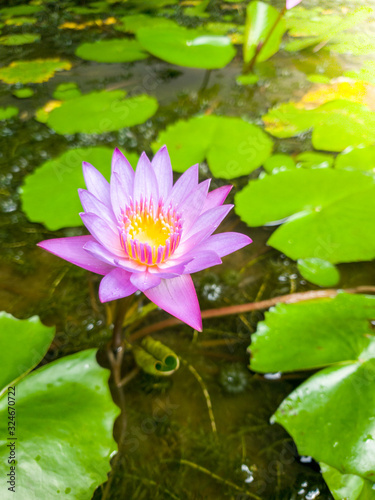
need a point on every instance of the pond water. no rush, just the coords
(170, 449)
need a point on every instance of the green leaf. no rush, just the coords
(359, 158)
(260, 19)
(111, 51)
(314, 334)
(366, 73)
(215, 138)
(278, 163)
(64, 421)
(37, 71)
(329, 213)
(132, 23)
(100, 112)
(187, 47)
(248, 79)
(66, 91)
(311, 159)
(20, 10)
(319, 271)
(23, 93)
(19, 39)
(155, 358)
(19, 21)
(9, 112)
(303, 22)
(34, 338)
(318, 412)
(93, 8)
(337, 124)
(49, 194)
(347, 486)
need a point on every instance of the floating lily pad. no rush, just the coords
(92, 8)
(329, 213)
(303, 22)
(347, 485)
(66, 91)
(261, 18)
(112, 51)
(100, 112)
(187, 47)
(20, 21)
(319, 271)
(35, 339)
(311, 159)
(37, 71)
(49, 194)
(132, 23)
(278, 163)
(23, 93)
(334, 333)
(247, 79)
(9, 112)
(366, 73)
(360, 158)
(54, 405)
(19, 39)
(215, 138)
(20, 10)
(357, 44)
(336, 124)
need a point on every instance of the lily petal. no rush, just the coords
(224, 243)
(122, 182)
(144, 281)
(163, 171)
(96, 183)
(292, 3)
(93, 205)
(101, 253)
(193, 204)
(116, 285)
(202, 260)
(177, 296)
(103, 233)
(184, 185)
(72, 250)
(145, 183)
(216, 197)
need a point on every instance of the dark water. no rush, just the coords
(170, 450)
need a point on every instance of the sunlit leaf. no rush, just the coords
(23, 93)
(278, 163)
(366, 73)
(347, 486)
(215, 138)
(132, 23)
(20, 10)
(34, 338)
(303, 22)
(64, 421)
(260, 19)
(111, 51)
(19, 39)
(100, 112)
(319, 271)
(360, 158)
(49, 194)
(312, 159)
(9, 112)
(36, 71)
(187, 47)
(19, 21)
(66, 91)
(328, 213)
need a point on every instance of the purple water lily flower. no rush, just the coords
(148, 234)
(292, 3)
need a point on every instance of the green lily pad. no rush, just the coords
(311, 159)
(20, 21)
(247, 79)
(360, 158)
(314, 334)
(215, 138)
(112, 51)
(260, 19)
(99, 112)
(23, 93)
(92, 8)
(303, 22)
(19, 39)
(187, 47)
(66, 91)
(357, 44)
(366, 73)
(336, 124)
(347, 486)
(319, 271)
(64, 420)
(132, 23)
(317, 78)
(37, 71)
(278, 163)
(9, 112)
(34, 338)
(49, 194)
(20, 10)
(329, 213)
